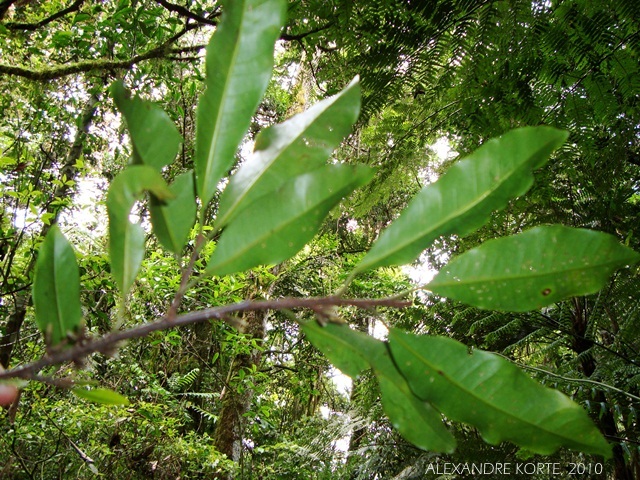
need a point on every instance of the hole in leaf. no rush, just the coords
(546, 291)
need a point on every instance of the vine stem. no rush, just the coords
(184, 279)
(570, 379)
(107, 344)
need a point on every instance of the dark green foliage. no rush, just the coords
(467, 70)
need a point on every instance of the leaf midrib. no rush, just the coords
(59, 311)
(274, 160)
(535, 275)
(411, 239)
(218, 124)
(471, 394)
(273, 231)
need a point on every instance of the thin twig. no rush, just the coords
(569, 379)
(296, 37)
(108, 343)
(185, 12)
(184, 279)
(74, 7)
(93, 65)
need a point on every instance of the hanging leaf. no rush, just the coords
(101, 395)
(299, 145)
(533, 269)
(126, 240)
(155, 139)
(352, 352)
(278, 225)
(239, 63)
(464, 197)
(56, 289)
(347, 349)
(417, 421)
(490, 393)
(172, 220)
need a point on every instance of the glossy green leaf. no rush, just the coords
(278, 225)
(126, 240)
(101, 395)
(352, 352)
(155, 138)
(299, 145)
(172, 220)
(464, 197)
(490, 393)
(239, 63)
(533, 269)
(56, 288)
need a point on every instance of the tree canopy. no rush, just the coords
(213, 214)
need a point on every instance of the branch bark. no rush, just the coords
(108, 343)
(4, 7)
(185, 12)
(74, 7)
(300, 36)
(93, 65)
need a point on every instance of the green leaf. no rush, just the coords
(417, 421)
(155, 139)
(533, 269)
(7, 161)
(490, 393)
(126, 240)
(239, 63)
(173, 219)
(345, 348)
(80, 17)
(56, 289)
(101, 395)
(299, 145)
(352, 352)
(464, 197)
(278, 225)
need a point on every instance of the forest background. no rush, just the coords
(208, 400)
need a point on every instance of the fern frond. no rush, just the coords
(179, 382)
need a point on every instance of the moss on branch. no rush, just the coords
(86, 66)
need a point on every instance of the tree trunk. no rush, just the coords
(231, 421)
(607, 423)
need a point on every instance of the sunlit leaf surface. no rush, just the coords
(101, 395)
(126, 240)
(533, 269)
(172, 219)
(299, 145)
(154, 136)
(278, 225)
(239, 63)
(352, 351)
(464, 197)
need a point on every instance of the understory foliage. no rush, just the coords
(201, 240)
